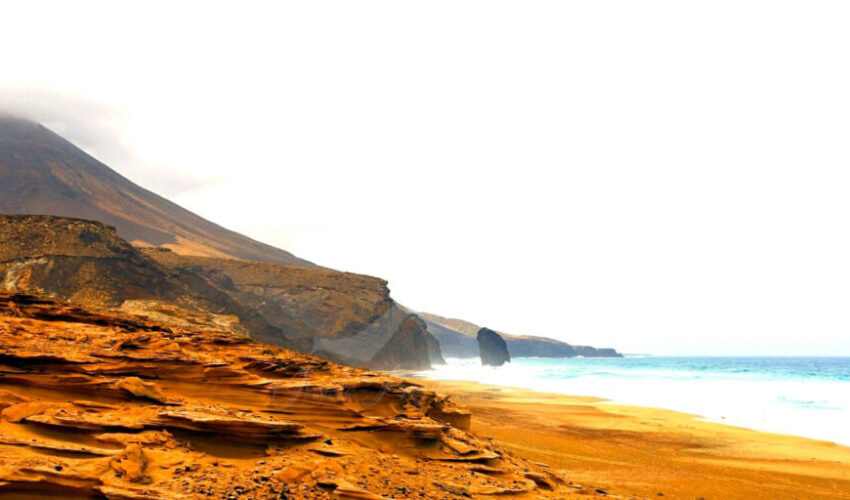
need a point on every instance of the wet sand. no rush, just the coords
(651, 453)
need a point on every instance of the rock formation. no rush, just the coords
(410, 342)
(493, 349)
(342, 316)
(88, 263)
(103, 405)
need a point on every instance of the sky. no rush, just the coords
(662, 177)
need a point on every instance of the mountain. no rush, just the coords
(457, 339)
(42, 173)
(105, 242)
(152, 257)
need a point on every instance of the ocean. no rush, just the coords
(800, 396)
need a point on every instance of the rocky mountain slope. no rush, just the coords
(341, 316)
(86, 262)
(349, 318)
(42, 173)
(97, 405)
(344, 317)
(458, 340)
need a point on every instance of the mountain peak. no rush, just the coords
(13, 127)
(42, 173)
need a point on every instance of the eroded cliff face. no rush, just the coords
(493, 349)
(345, 317)
(88, 263)
(409, 342)
(311, 302)
(99, 405)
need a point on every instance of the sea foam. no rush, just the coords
(799, 396)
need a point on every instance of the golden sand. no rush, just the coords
(652, 453)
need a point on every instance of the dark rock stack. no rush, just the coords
(493, 349)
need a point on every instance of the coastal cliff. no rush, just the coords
(342, 316)
(458, 340)
(345, 317)
(110, 243)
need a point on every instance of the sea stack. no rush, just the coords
(493, 349)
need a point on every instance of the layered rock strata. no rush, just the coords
(99, 405)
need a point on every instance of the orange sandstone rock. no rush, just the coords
(102, 406)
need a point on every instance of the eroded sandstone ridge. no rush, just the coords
(98, 405)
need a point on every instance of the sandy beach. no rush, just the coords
(652, 453)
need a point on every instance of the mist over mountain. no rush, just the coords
(42, 173)
(160, 256)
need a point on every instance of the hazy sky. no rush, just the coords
(658, 176)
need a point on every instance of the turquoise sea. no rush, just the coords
(800, 396)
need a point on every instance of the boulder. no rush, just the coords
(493, 349)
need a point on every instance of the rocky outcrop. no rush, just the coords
(458, 340)
(407, 348)
(102, 405)
(492, 347)
(88, 263)
(345, 317)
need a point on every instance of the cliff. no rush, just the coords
(88, 263)
(406, 347)
(342, 316)
(345, 317)
(99, 405)
(492, 348)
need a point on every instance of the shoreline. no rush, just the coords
(784, 398)
(650, 452)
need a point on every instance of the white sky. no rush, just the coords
(669, 177)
